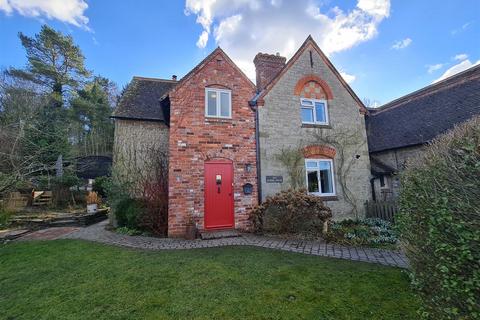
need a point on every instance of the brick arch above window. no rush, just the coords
(215, 85)
(319, 152)
(312, 86)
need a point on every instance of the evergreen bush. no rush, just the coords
(439, 223)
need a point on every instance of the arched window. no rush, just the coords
(313, 93)
(319, 170)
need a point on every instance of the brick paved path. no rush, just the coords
(98, 233)
(48, 234)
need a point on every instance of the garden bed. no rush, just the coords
(370, 232)
(37, 219)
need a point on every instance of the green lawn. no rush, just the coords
(67, 279)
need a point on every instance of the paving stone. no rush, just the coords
(98, 233)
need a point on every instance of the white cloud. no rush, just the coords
(464, 65)
(69, 11)
(245, 27)
(349, 78)
(464, 27)
(401, 44)
(461, 56)
(434, 67)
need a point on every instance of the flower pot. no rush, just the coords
(91, 208)
(191, 232)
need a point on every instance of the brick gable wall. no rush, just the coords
(195, 139)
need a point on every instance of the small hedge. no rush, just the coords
(439, 223)
(128, 213)
(291, 212)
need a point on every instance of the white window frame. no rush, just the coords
(218, 113)
(302, 106)
(334, 193)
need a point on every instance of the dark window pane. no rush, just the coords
(326, 177)
(312, 181)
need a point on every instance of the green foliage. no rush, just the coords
(47, 137)
(54, 61)
(439, 222)
(128, 213)
(291, 212)
(67, 181)
(127, 231)
(90, 111)
(100, 185)
(367, 232)
(50, 108)
(5, 215)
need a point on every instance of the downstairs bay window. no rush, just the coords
(319, 175)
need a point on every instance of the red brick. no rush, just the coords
(206, 139)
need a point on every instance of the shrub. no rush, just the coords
(291, 211)
(60, 186)
(100, 185)
(128, 212)
(370, 232)
(439, 222)
(155, 216)
(127, 231)
(5, 215)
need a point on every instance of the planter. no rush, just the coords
(91, 208)
(191, 232)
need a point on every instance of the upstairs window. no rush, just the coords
(320, 177)
(314, 111)
(218, 103)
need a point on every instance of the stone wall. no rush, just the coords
(195, 138)
(137, 145)
(397, 159)
(281, 127)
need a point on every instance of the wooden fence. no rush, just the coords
(385, 210)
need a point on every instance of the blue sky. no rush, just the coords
(385, 49)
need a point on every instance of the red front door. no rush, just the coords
(218, 195)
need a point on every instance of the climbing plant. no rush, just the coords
(291, 159)
(348, 144)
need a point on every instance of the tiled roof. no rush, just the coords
(419, 117)
(141, 100)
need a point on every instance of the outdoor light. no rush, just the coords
(248, 167)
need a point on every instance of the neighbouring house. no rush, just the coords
(205, 127)
(141, 128)
(401, 129)
(311, 130)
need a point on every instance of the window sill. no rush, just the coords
(318, 126)
(218, 120)
(329, 198)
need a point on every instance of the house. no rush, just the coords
(228, 142)
(401, 129)
(205, 126)
(311, 130)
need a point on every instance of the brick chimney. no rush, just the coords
(267, 66)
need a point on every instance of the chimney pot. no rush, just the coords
(174, 77)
